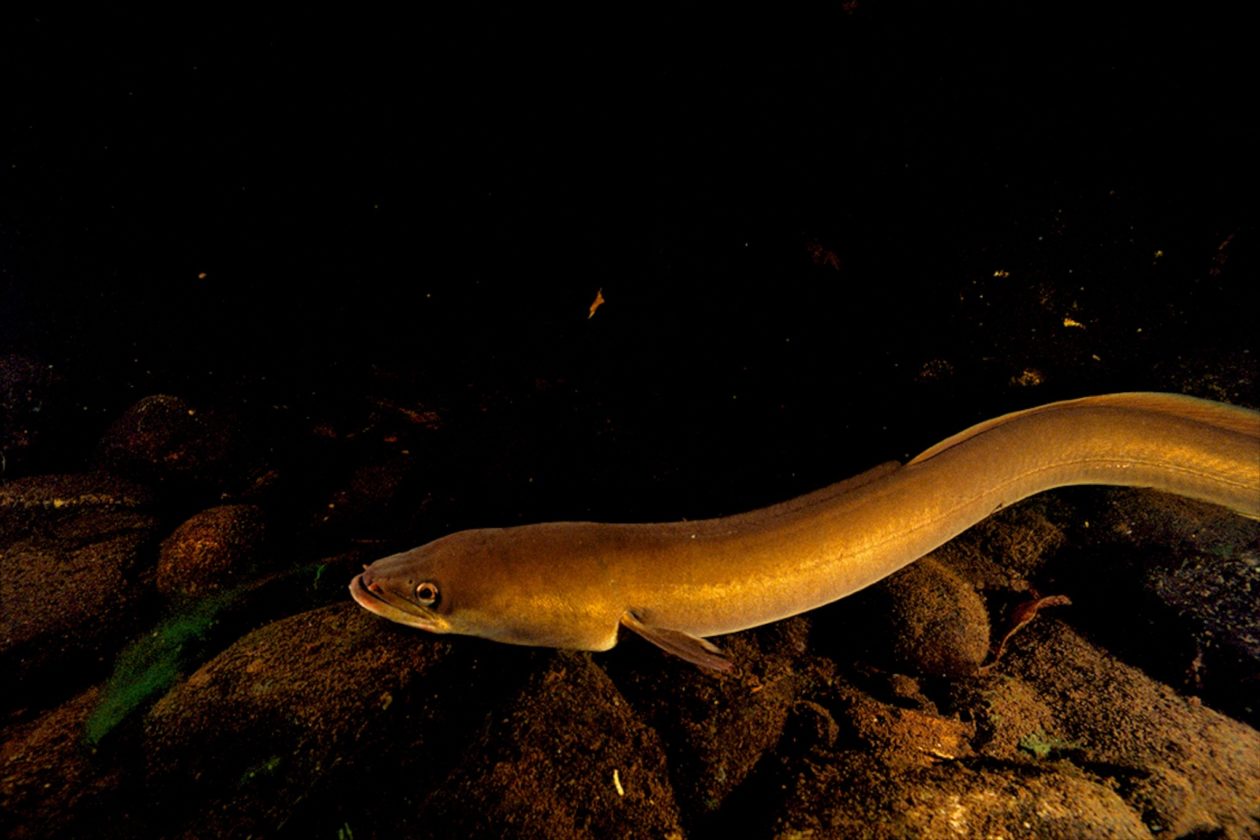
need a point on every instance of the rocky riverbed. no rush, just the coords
(172, 671)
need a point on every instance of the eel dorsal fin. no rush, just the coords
(1230, 417)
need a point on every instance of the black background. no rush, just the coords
(825, 239)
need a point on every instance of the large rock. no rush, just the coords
(716, 729)
(166, 441)
(1184, 765)
(1190, 572)
(853, 796)
(52, 784)
(74, 554)
(566, 758)
(287, 716)
(931, 620)
(212, 550)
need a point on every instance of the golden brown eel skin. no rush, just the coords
(573, 584)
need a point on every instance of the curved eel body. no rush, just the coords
(573, 584)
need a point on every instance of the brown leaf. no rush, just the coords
(596, 304)
(1022, 615)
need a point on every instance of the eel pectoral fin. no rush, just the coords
(694, 649)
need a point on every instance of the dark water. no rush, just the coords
(441, 199)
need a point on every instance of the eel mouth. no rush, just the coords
(376, 599)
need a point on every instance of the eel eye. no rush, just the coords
(427, 593)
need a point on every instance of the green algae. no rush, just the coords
(152, 664)
(148, 667)
(1043, 746)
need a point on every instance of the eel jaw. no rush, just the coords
(374, 599)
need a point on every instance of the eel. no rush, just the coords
(575, 584)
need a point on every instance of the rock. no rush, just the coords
(902, 738)
(567, 758)
(286, 718)
(854, 796)
(1208, 603)
(933, 621)
(716, 729)
(74, 551)
(1197, 579)
(59, 503)
(1163, 793)
(166, 441)
(1115, 716)
(1007, 711)
(212, 550)
(51, 784)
